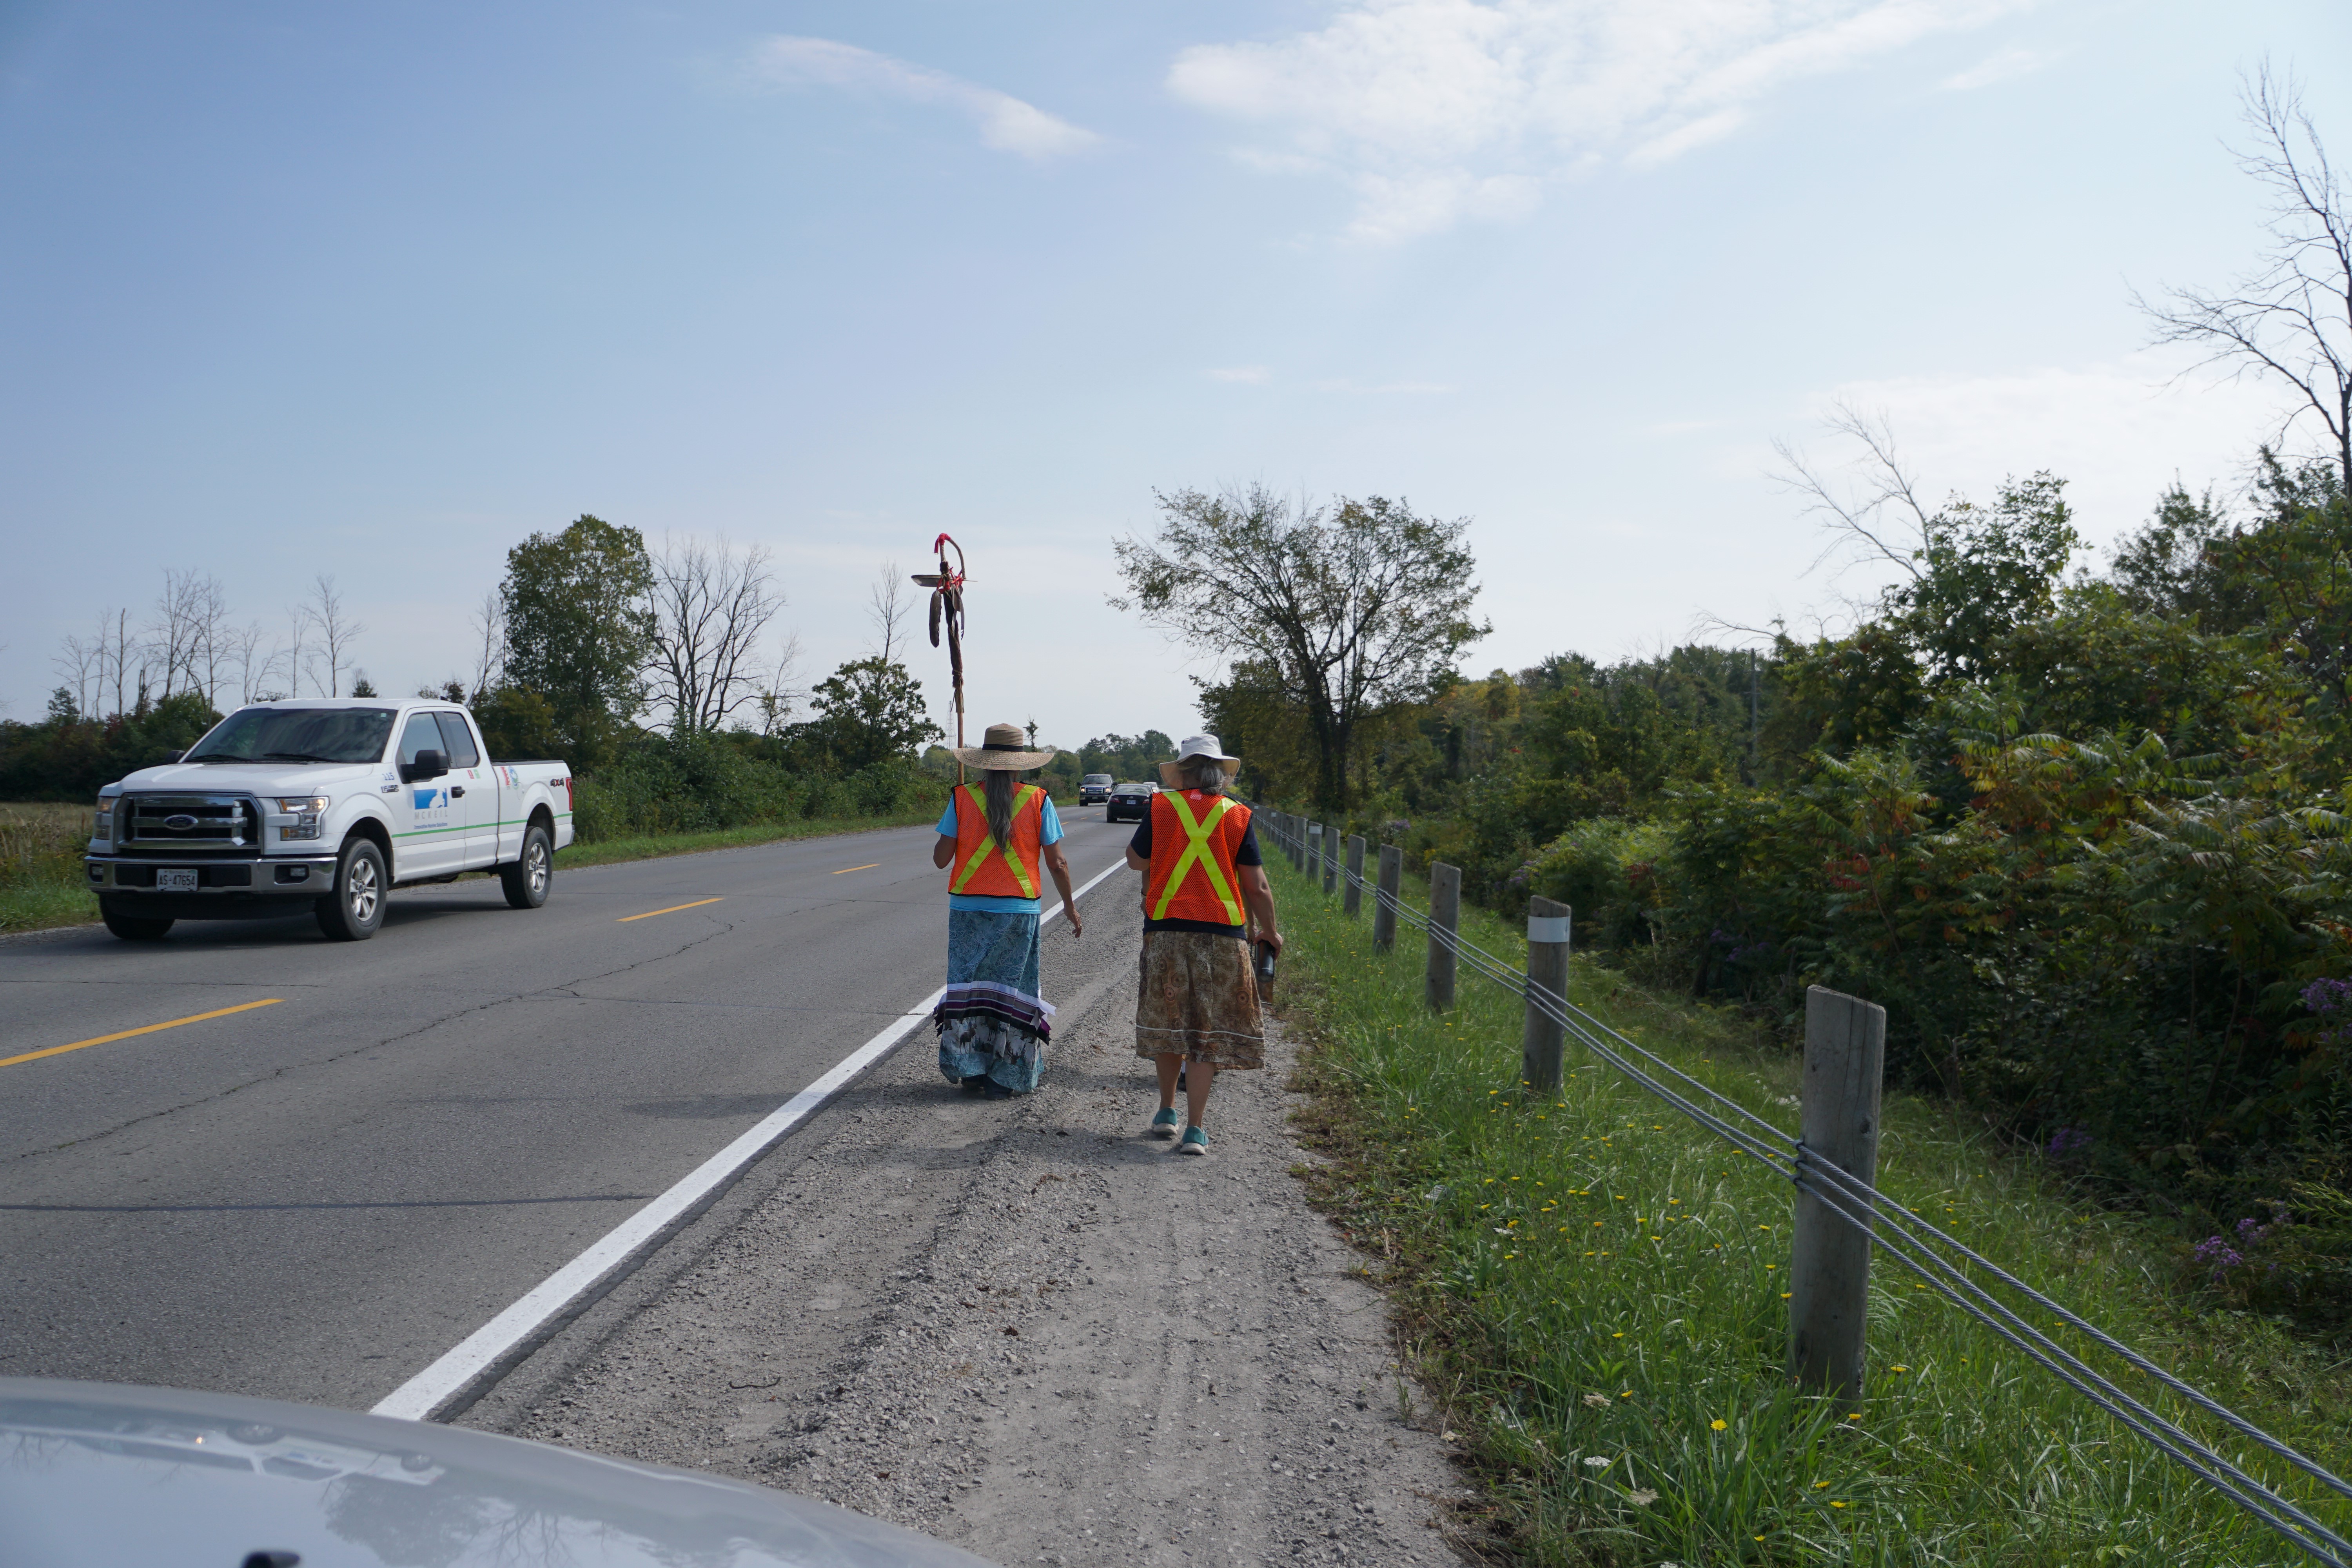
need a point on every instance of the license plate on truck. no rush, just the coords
(175, 881)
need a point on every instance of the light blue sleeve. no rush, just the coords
(947, 820)
(1049, 822)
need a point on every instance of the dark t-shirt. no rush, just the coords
(1245, 853)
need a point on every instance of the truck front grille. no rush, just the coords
(189, 822)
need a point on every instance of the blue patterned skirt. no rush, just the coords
(992, 1024)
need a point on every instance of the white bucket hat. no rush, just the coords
(1198, 748)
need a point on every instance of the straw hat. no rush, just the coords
(1003, 746)
(1199, 748)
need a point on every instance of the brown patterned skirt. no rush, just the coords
(1199, 1000)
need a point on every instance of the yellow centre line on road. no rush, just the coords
(846, 869)
(671, 910)
(150, 1029)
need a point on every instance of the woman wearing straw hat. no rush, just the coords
(995, 837)
(1204, 885)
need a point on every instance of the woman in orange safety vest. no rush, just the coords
(1204, 886)
(998, 839)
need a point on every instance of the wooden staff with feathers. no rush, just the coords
(947, 611)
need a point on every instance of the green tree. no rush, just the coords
(1985, 570)
(869, 710)
(578, 630)
(1350, 612)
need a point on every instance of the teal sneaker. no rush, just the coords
(1164, 1124)
(1195, 1142)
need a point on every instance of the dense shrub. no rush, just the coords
(705, 783)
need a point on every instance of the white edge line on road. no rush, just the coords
(501, 1342)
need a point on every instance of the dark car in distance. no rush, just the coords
(1128, 802)
(1094, 789)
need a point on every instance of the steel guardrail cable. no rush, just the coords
(2194, 1455)
(2291, 1523)
(1913, 1224)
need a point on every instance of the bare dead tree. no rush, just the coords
(1873, 513)
(297, 628)
(190, 632)
(489, 643)
(2290, 318)
(887, 606)
(779, 696)
(117, 654)
(333, 631)
(78, 663)
(709, 607)
(188, 619)
(255, 670)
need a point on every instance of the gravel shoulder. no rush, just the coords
(1028, 1328)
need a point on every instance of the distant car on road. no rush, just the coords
(1127, 801)
(1094, 789)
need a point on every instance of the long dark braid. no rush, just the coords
(1002, 783)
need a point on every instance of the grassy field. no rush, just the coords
(41, 845)
(1597, 1288)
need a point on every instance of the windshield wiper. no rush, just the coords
(295, 757)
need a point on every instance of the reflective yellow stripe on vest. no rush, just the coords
(1197, 852)
(989, 846)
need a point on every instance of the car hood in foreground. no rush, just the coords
(98, 1472)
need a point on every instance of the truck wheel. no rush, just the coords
(353, 911)
(134, 928)
(526, 880)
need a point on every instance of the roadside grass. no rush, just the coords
(41, 883)
(1596, 1289)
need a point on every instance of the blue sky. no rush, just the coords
(290, 289)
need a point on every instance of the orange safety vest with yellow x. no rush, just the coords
(982, 868)
(1195, 838)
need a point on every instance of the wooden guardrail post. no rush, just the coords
(1316, 833)
(1297, 843)
(1384, 907)
(1355, 899)
(1445, 916)
(1545, 1038)
(1829, 1274)
(1330, 858)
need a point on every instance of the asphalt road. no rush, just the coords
(315, 1198)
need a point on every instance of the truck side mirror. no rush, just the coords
(174, 756)
(428, 765)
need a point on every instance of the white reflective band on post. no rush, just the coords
(1314, 830)
(1548, 928)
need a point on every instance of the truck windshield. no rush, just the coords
(297, 735)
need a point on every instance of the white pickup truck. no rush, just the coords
(324, 804)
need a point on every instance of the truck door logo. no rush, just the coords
(431, 799)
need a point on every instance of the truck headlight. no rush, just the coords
(104, 826)
(305, 809)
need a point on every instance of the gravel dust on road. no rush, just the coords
(1029, 1328)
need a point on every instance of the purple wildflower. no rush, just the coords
(2327, 996)
(2067, 1141)
(2216, 1253)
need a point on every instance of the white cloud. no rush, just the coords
(1248, 375)
(1436, 110)
(2003, 65)
(1006, 124)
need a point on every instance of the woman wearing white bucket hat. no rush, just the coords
(1204, 885)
